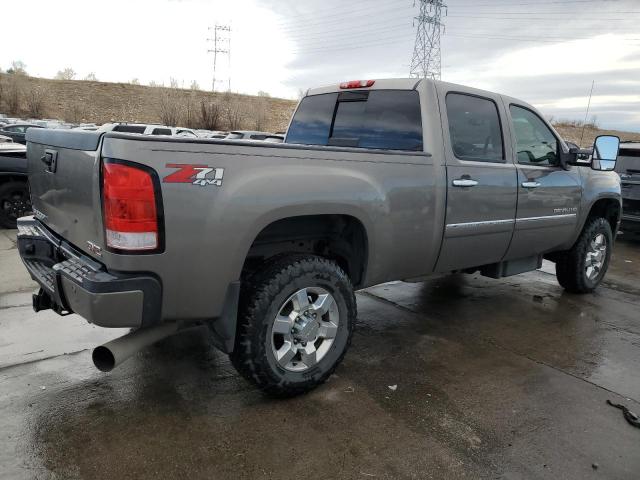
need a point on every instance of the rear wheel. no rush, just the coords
(14, 203)
(581, 269)
(295, 324)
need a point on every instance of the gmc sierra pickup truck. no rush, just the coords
(265, 243)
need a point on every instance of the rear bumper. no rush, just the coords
(71, 282)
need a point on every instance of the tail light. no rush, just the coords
(130, 208)
(357, 84)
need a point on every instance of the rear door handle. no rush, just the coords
(464, 182)
(530, 184)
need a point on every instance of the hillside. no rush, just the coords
(100, 102)
(573, 133)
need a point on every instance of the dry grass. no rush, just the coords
(102, 102)
(573, 133)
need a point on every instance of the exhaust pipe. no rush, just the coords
(108, 356)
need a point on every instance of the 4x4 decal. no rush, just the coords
(202, 175)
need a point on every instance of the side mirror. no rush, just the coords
(605, 152)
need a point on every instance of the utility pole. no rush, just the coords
(425, 62)
(221, 46)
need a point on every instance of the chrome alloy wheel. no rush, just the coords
(304, 329)
(596, 255)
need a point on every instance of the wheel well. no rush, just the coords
(341, 238)
(609, 209)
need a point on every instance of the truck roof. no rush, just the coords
(379, 84)
(408, 84)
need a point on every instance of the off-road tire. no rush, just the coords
(10, 188)
(570, 265)
(262, 296)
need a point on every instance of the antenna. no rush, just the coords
(584, 124)
(425, 62)
(221, 45)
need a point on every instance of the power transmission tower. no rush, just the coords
(221, 46)
(425, 62)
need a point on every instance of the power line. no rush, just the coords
(221, 46)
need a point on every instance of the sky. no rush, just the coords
(546, 52)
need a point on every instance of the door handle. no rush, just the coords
(50, 159)
(464, 182)
(530, 184)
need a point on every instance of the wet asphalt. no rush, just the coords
(489, 379)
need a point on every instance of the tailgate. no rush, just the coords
(65, 183)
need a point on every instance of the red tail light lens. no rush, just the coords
(129, 202)
(357, 84)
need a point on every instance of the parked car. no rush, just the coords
(147, 129)
(211, 133)
(14, 189)
(248, 135)
(628, 167)
(265, 243)
(17, 131)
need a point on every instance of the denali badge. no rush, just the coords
(202, 175)
(565, 210)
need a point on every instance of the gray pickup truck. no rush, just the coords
(265, 243)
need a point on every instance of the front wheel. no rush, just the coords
(295, 324)
(581, 269)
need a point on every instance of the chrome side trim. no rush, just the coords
(479, 228)
(478, 224)
(547, 217)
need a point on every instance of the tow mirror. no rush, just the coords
(605, 152)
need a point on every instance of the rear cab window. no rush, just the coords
(376, 119)
(474, 128)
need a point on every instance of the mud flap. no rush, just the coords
(224, 327)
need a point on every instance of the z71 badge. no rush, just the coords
(202, 175)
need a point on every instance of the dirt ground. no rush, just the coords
(456, 377)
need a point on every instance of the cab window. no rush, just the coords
(376, 119)
(535, 142)
(474, 128)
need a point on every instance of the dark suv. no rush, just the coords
(628, 167)
(17, 131)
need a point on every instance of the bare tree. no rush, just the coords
(75, 112)
(134, 81)
(210, 115)
(194, 85)
(190, 119)
(18, 67)
(14, 94)
(36, 97)
(233, 112)
(91, 77)
(66, 74)
(169, 104)
(260, 114)
(153, 83)
(173, 83)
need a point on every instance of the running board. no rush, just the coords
(511, 267)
